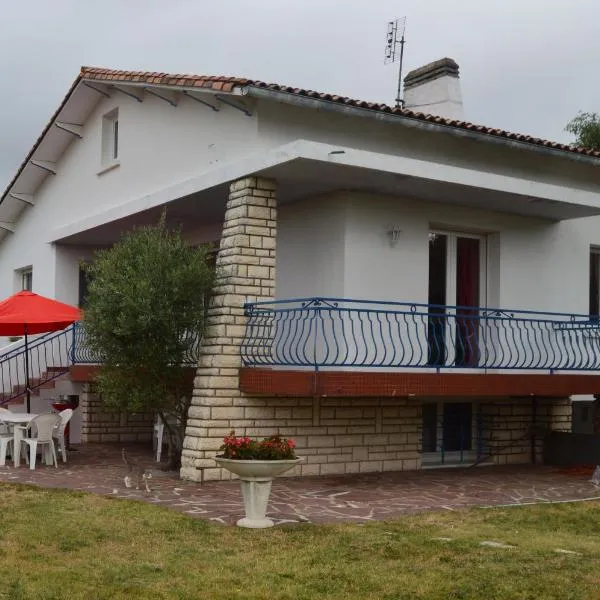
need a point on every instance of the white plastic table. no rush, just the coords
(17, 419)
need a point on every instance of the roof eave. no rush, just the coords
(416, 122)
(39, 140)
(237, 91)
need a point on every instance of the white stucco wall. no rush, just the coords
(311, 248)
(337, 246)
(374, 269)
(327, 246)
(159, 146)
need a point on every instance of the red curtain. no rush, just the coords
(467, 295)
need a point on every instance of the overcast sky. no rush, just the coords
(526, 65)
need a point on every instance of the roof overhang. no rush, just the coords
(317, 168)
(305, 168)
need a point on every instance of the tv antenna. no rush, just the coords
(394, 51)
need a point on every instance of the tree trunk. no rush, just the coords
(176, 433)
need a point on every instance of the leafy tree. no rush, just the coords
(144, 313)
(586, 129)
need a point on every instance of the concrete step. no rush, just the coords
(20, 392)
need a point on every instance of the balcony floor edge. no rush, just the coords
(369, 384)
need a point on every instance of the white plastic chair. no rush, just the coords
(159, 433)
(5, 428)
(42, 427)
(5, 441)
(59, 432)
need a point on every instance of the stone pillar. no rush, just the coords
(245, 272)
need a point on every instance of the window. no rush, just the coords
(594, 307)
(110, 138)
(27, 280)
(115, 139)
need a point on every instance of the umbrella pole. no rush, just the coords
(28, 391)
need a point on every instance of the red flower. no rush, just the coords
(271, 448)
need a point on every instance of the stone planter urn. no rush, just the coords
(256, 477)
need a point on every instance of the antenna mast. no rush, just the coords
(394, 51)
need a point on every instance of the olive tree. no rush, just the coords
(144, 315)
(586, 129)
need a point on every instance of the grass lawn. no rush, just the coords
(59, 544)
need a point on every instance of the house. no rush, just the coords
(397, 289)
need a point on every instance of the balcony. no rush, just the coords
(343, 340)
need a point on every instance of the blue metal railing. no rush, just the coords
(52, 354)
(81, 353)
(49, 357)
(332, 332)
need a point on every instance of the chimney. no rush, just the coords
(435, 89)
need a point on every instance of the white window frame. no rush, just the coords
(110, 139)
(26, 275)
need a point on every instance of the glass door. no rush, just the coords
(456, 278)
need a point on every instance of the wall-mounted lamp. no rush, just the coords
(393, 233)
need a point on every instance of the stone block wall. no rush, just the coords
(245, 272)
(334, 435)
(508, 423)
(356, 435)
(361, 435)
(98, 424)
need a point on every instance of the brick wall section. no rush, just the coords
(245, 268)
(507, 424)
(101, 425)
(363, 383)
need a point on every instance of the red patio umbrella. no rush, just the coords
(27, 313)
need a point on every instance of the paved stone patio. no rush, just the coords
(331, 499)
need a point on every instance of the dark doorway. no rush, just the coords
(430, 424)
(457, 430)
